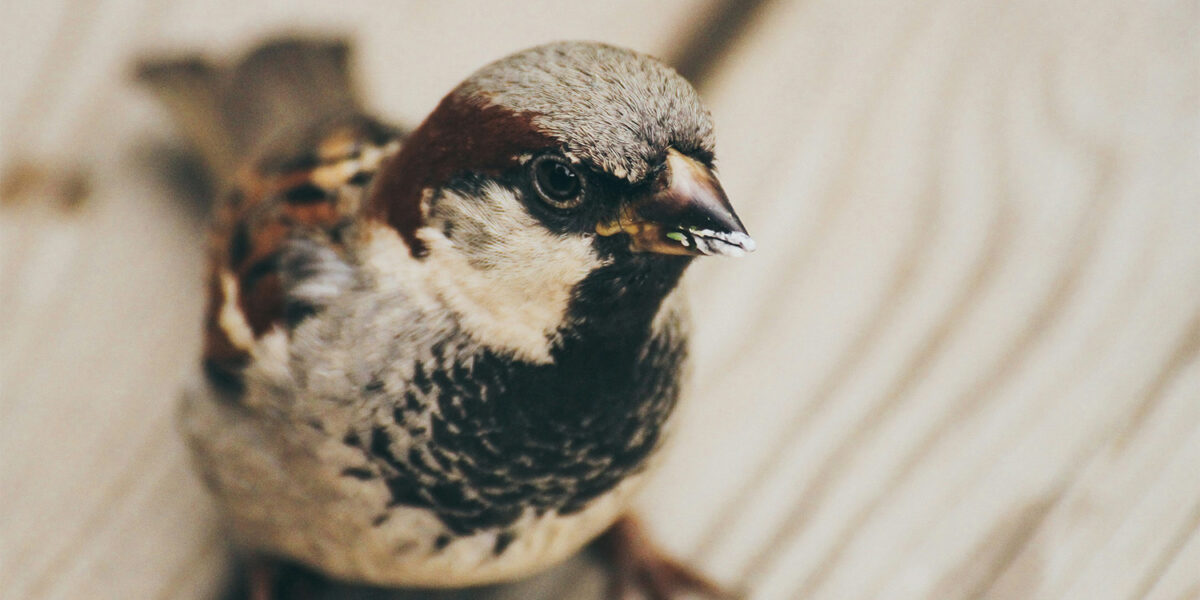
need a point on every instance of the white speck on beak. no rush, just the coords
(721, 243)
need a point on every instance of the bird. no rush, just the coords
(448, 355)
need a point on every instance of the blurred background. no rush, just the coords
(964, 363)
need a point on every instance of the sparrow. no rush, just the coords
(446, 356)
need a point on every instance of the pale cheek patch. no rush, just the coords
(510, 281)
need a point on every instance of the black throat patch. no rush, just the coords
(507, 436)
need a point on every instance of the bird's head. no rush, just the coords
(558, 162)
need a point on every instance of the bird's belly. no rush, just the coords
(286, 492)
(348, 539)
(412, 549)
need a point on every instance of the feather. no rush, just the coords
(232, 114)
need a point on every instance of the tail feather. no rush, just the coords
(285, 84)
(190, 90)
(230, 113)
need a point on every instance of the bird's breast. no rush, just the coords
(481, 440)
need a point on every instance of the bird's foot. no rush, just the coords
(265, 578)
(641, 571)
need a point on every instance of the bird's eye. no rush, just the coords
(557, 182)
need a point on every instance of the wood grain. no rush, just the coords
(965, 362)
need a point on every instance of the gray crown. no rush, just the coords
(613, 108)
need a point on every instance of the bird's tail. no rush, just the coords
(228, 112)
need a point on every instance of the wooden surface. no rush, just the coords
(964, 363)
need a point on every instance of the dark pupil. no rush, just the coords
(559, 181)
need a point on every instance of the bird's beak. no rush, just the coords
(685, 213)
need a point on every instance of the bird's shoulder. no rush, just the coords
(282, 233)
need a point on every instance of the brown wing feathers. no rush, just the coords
(284, 133)
(268, 210)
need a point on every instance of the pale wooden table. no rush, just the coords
(965, 362)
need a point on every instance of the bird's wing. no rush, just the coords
(278, 243)
(283, 132)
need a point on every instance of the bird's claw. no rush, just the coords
(641, 571)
